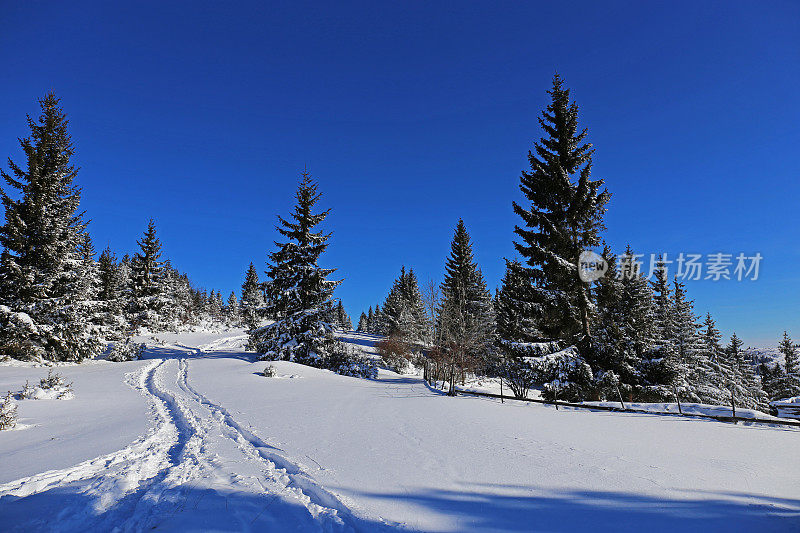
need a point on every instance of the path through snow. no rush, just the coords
(196, 469)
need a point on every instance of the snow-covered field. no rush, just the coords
(193, 438)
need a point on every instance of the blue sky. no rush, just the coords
(411, 115)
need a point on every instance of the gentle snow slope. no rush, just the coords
(229, 449)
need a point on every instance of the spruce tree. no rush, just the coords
(342, 320)
(110, 293)
(712, 377)
(40, 266)
(148, 282)
(565, 218)
(252, 298)
(298, 290)
(371, 321)
(467, 317)
(786, 381)
(746, 386)
(362, 323)
(232, 309)
(404, 311)
(686, 342)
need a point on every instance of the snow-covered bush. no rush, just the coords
(269, 371)
(28, 392)
(126, 351)
(16, 331)
(345, 361)
(8, 413)
(53, 387)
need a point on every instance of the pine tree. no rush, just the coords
(110, 293)
(371, 321)
(403, 314)
(342, 320)
(40, 266)
(660, 367)
(685, 340)
(363, 324)
(147, 282)
(624, 337)
(232, 309)
(712, 376)
(746, 387)
(516, 331)
(565, 218)
(786, 381)
(298, 289)
(252, 298)
(467, 318)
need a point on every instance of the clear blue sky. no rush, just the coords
(413, 114)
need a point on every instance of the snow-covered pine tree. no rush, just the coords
(252, 298)
(660, 367)
(179, 308)
(746, 386)
(342, 319)
(379, 321)
(88, 303)
(711, 376)
(232, 309)
(110, 295)
(686, 341)
(371, 321)
(40, 285)
(298, 288)
(467, 318)
(624, 332)
(786, 381)
(516, 331)
(147, 282)
(362, 323)
(416, 325)
(564, 219)
(215, 305)
(403, 315)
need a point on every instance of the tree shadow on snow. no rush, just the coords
(186, 508)
(167, 352)
(483, 509)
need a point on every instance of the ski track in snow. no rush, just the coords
(149, 482)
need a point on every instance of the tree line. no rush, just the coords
(621, 336)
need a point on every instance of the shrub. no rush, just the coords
(53, 386)
(8, 413)
(126, 351)
(396, 353)
(28, 392)
(345, 361)
(269, 372)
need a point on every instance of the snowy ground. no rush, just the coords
(192, 438)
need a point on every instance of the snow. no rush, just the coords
(192, 437)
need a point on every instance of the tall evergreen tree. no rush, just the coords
(342, 320)
(298, 289)
(252, 297)
(40, 266)
(404, 311)
(362, 323)
(786, 381)
(685, 339)
(467, 317)
(148, 281)
(745, 385)
(232, 309)
(565, 218)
